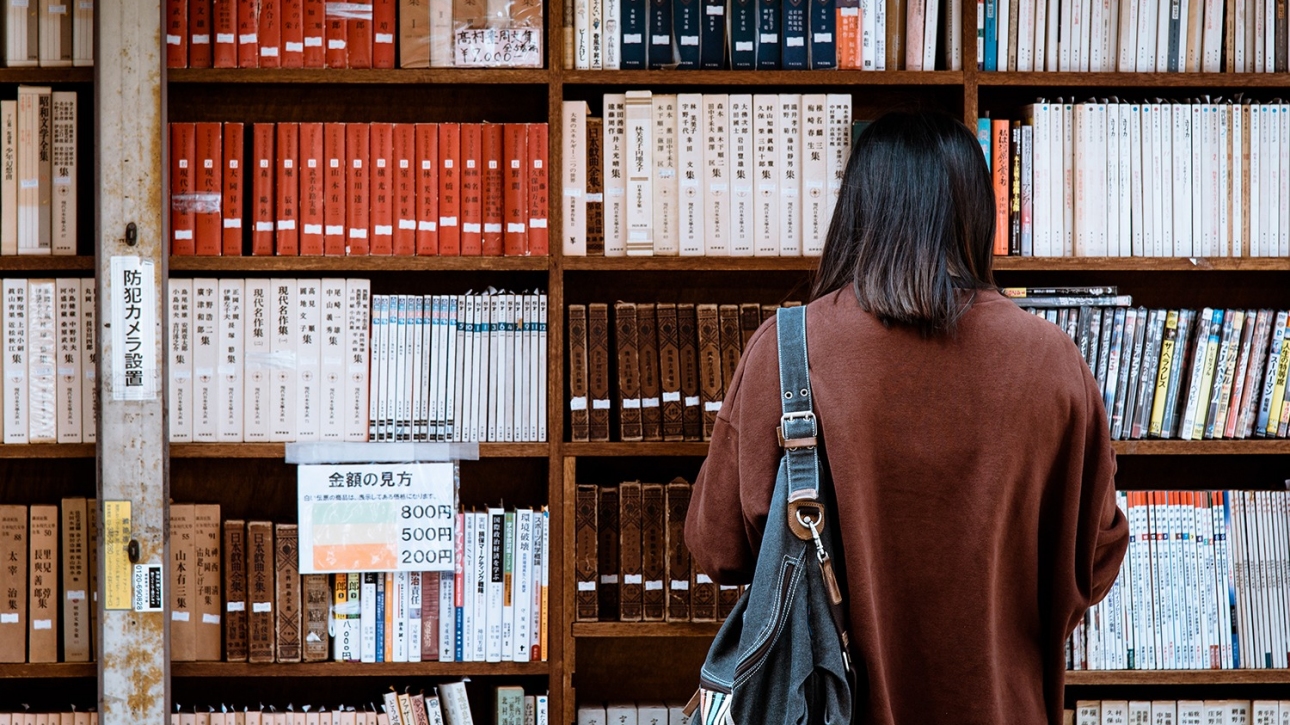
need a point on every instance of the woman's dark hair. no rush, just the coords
(914, 222)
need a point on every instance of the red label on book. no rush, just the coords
(427, 211)
(234, 188)
(358, 206)
(311, 189)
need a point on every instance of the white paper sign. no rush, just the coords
(148, 588)
(376, 517)
(499, 48)
(133, 303)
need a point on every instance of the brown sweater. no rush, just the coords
(975, 485)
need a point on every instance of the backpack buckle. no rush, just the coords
(800, 442)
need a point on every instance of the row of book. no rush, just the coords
(1180, 373)
(631, 563)
(1177, 712)
(1236, 36)
(766, 35)
(38, 139)
(691, 174)
(48, 34)
(324, 359)
(1203, 585)
(373, 34)
(49, 556)
(69, 717)
(672, 363)
(632, 713)
(1101, 179)
(359, 188)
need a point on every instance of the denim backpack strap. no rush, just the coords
(798, 427)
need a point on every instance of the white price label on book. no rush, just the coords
(377, 517)
(499, 48)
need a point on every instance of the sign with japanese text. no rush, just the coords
(376, 517)
(499, 47)
(134, 335)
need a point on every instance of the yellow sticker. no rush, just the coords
(118, 586)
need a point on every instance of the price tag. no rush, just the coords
(499, 47)
(377, 517)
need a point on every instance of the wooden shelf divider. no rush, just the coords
(359, 264)
(1086, 678)
(52, 670)
(48, 450)
(361, 76)
(646, 629)
(353, 669)
(850, 78)
(1131, 81)
(278, 450)
(46, 263)
(1280, 447)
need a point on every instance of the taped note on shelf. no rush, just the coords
(117, 572)
(499, 47)
(133, 299)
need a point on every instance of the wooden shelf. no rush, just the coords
(1136, 80)
(354, 669)
(359, 264)
(1277, 447)
(656, 78)
(43, 262)
(1084, 678)
(631, 450)
(48, 671)
(363, 76)
(278, 450)
(48, 450)
(47, 75)
(690, 264)
(646, 629)
(1143, 264)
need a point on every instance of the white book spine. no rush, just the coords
(868, 33)
(1270, 169)
(413, 612)
(9, 177)
(596, 28)
(1093, 51)
(1283, 179)
(1171, 194)
(1141, 244)
(1159, 233)
(1146, 35)
(282, 365)
(639, 174)
(1111, 156)
(1269, 36)
(689, 163)
(441, 34)
(29, 168)
(367, 617)
(55, 34)
(1002, 23)
(542, 367)
(1191, 163)
(510, 360)
(42, 353)
(256, 349)
(68, 361)
(1162, 17)
(614, 130)
(839, 149)
(815, 171)
(1233, 193)
(665, 203)
(418, 384)
(307, 324)
(397, 592)
(205, 407)
(181, 361)
(522, 584)
(1125, 170)
(788, 145)
(880, 35)
(1068, 197)
(89, 362)
(358, 293)
(64, 163)
(1255, 194)
(1039, 173)
(582, 34)
(716, 175)
(611, 39)
(766, 211)
(446, 602)
(1082, 133)
(230, 361)
(20, 29)
(491, 418)
(742, 192)
(332, 361)
(1026, 35)
(469, 568)
(574, 178)
(1127, 47)
(451, 375)
(483, 542)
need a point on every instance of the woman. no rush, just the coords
(967, 441)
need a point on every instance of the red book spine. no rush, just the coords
(224, 32)
(337, 31)
(288, 183)
(472, 187)
(405, 189)
(208, 191)
(382, 174)
(358, 206)
(293, 33)
(449, 189)
(427, 152)
(262, 189)
(248, 33)
(539, 192)
(176, 34)
(359, 40)
(493, 194)
(234, 189)
(516, 193)
(384, 26)
(270, 33)
(315, 31)
(337, 189)
(199, 33)
(311, 189)
(182, 152)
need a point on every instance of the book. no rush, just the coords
(235, 591)
(261, 569)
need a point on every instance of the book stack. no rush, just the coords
(48, 35)
(631, 562)
(1181, 374)
(1155, 179)
(773, 35)
(359, 189)
(629, 713)
(70, 717)
(1178, 712)
(726, 175)
(38, 137)
(673, 363)
(1156, 36)
(1203, 585)
(50, 556)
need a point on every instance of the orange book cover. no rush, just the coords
(315, 30)
(234, 190)
(208, 188)
(336, 29)
(311, 189)
(848, 21)
(248, 33)
(358, 41)
(224, 33)
(494, 182)
(262, 194)
(358, 204)
(334, 196)
(182, 152)
(199, 34)
(271, 33)
(382, 182)
(389, 616)
(999, 137)
(427, 155)
(449, 189)
(176, 33)
(405, 189)
(293, 33)
(288, 188)
(472, 187)
(539, 191)
(384, 28)
(516, 193)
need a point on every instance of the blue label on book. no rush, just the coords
(823, 34)
(685, 29)
(768, 25)
(794, 35)
(712, 46)
(634, 25)
(660, 33)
